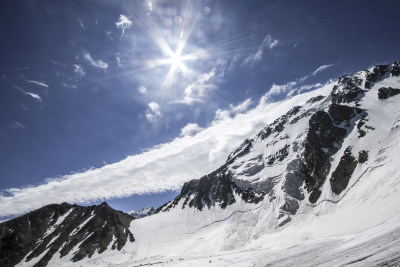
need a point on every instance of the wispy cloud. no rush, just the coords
(123, 23)
(79, 70)
(198, 90)
(95, 63)
(289, 89)
(81, 24)
(269, 43)
(164, 167)
(118, 59)
(242, 107)
(153, 112)
(38, 83)
(321, 68)
(34, 96)
(142, 89)
(17, 126)
(69, 86)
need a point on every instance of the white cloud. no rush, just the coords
(34, 96)
(142, 89)
(123, 23)
(81, 24)
(269, 43)
(38, 83)
(199, 89)
(164, 167)
(321, 68)
(153, 112)
(233, 110)
(291, 88)
(242, 107)
(95, 63)
(118, 59)
(79, 70)
(17, 126)
(190, 129)
(70, 86)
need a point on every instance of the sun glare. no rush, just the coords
(176, 59)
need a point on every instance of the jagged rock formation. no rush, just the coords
(216, 188)
(65, 229)
(144, 212)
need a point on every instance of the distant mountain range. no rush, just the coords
(318, 186)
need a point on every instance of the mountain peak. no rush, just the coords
(63, 228)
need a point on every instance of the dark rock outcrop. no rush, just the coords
(323, 140)
(362, 156)
(216, 188)
(279, 124)
(385, 93)
(342, 174)
(63, 228)
(349, 89)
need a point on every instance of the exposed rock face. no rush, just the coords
(323, 139)
(385, 93)
(144, 212)
(63, 228)
(216, 188)
(341, 176)
(362, 156)
(328, 129)
(349, 89)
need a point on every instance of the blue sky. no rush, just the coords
(106, 100)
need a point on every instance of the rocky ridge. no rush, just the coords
(68, 230)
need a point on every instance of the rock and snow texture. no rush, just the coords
(64, 230)
(146, 211)
(318, 186)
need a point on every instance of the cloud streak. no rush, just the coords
(33, 95)
(269, 43)
(38, 83)
(164, 167)
(321, 68)
(291, 88)
(95, 63)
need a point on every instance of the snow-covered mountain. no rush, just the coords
(146, 211)
(318, 186)
(63, 230)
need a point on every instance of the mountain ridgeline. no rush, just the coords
(305, 157)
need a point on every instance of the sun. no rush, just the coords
(176, 60)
